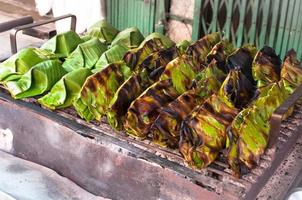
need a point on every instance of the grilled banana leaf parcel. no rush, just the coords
(145, 109)
(112, 55)
(167, 42)
(63, 44)
(165, 130)
(17, 65)
(39, 79)
(150, 70)
(64, 92)
(206, 127)
(85, 55)
(183, 46)
(134, 57)
(99, 89)
(130, 37)
(201, 48)
(291, 72)
(103, 30)
(266, 67)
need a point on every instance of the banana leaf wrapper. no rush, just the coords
(166, 41)
(134, 57)
(182, 71)
(203, 132)
(291, 72)
(85, 55)
(242, 59)
(145, 109)
(183, 46)
(201, 48)
(130, 37)
(63, 44)
(150, 70)
(99, 89)
(266, 67)
(18, 64)
(103, 31)
(66, 90)
(165, 130)
(249, 133)
(38, 80)
(220, 53)
(112, 55)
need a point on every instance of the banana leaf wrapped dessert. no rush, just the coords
(18, 64)
(204, 131)
(112, 55)
(64, 92)
(149, 72)
(167, 42)
(144, 110)
(103, 31)
(39, 79)
(266, 67)
(183, 46)
(99, 89)
(165, 129)
(63, 44)
(85, 55)
(130, 37)
(200, 49)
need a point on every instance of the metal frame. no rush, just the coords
(13, 34)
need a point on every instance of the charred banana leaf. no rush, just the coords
(63, 44)
(39, 79)
(183, 46)
(201, 48)
(103, 30)
(112, 55)
(266, 67)
(167, 42)
(150, 70)
(145, 109)
(85, 55)
(99, 89)
(134, 57)
(64, 92)
(165, 130)
(17, 65)
(130, 37)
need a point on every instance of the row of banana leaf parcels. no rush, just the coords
(201, 97)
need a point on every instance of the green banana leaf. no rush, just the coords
(65, 91)
(150, 70)
(63, 44)
(39, 79)
(182, 71)
(183, 46)
(85, 38)
(167, 42)
(266, 67)
(291, 72)
(144, 110)
(130, 37)
(134, 57)
(85, 55)
(201, 48)
(18, 64)
(112, 55)
(165, 130)
(99, 89)
(103, 30)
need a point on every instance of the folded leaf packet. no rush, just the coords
(66, 90)
(130, 37)
(103, 31)
(20, 63)
(85, 55)
(39, 79)
(167, 42)
(63, 44)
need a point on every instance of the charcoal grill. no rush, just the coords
(113, 165)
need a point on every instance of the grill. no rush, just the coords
(113, 165)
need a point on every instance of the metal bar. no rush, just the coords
(197, 19)
(281, 27)
(274, 19)
(265, 13)
(13, 34)
(5, 26)
(253, 30)
(240, 30)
